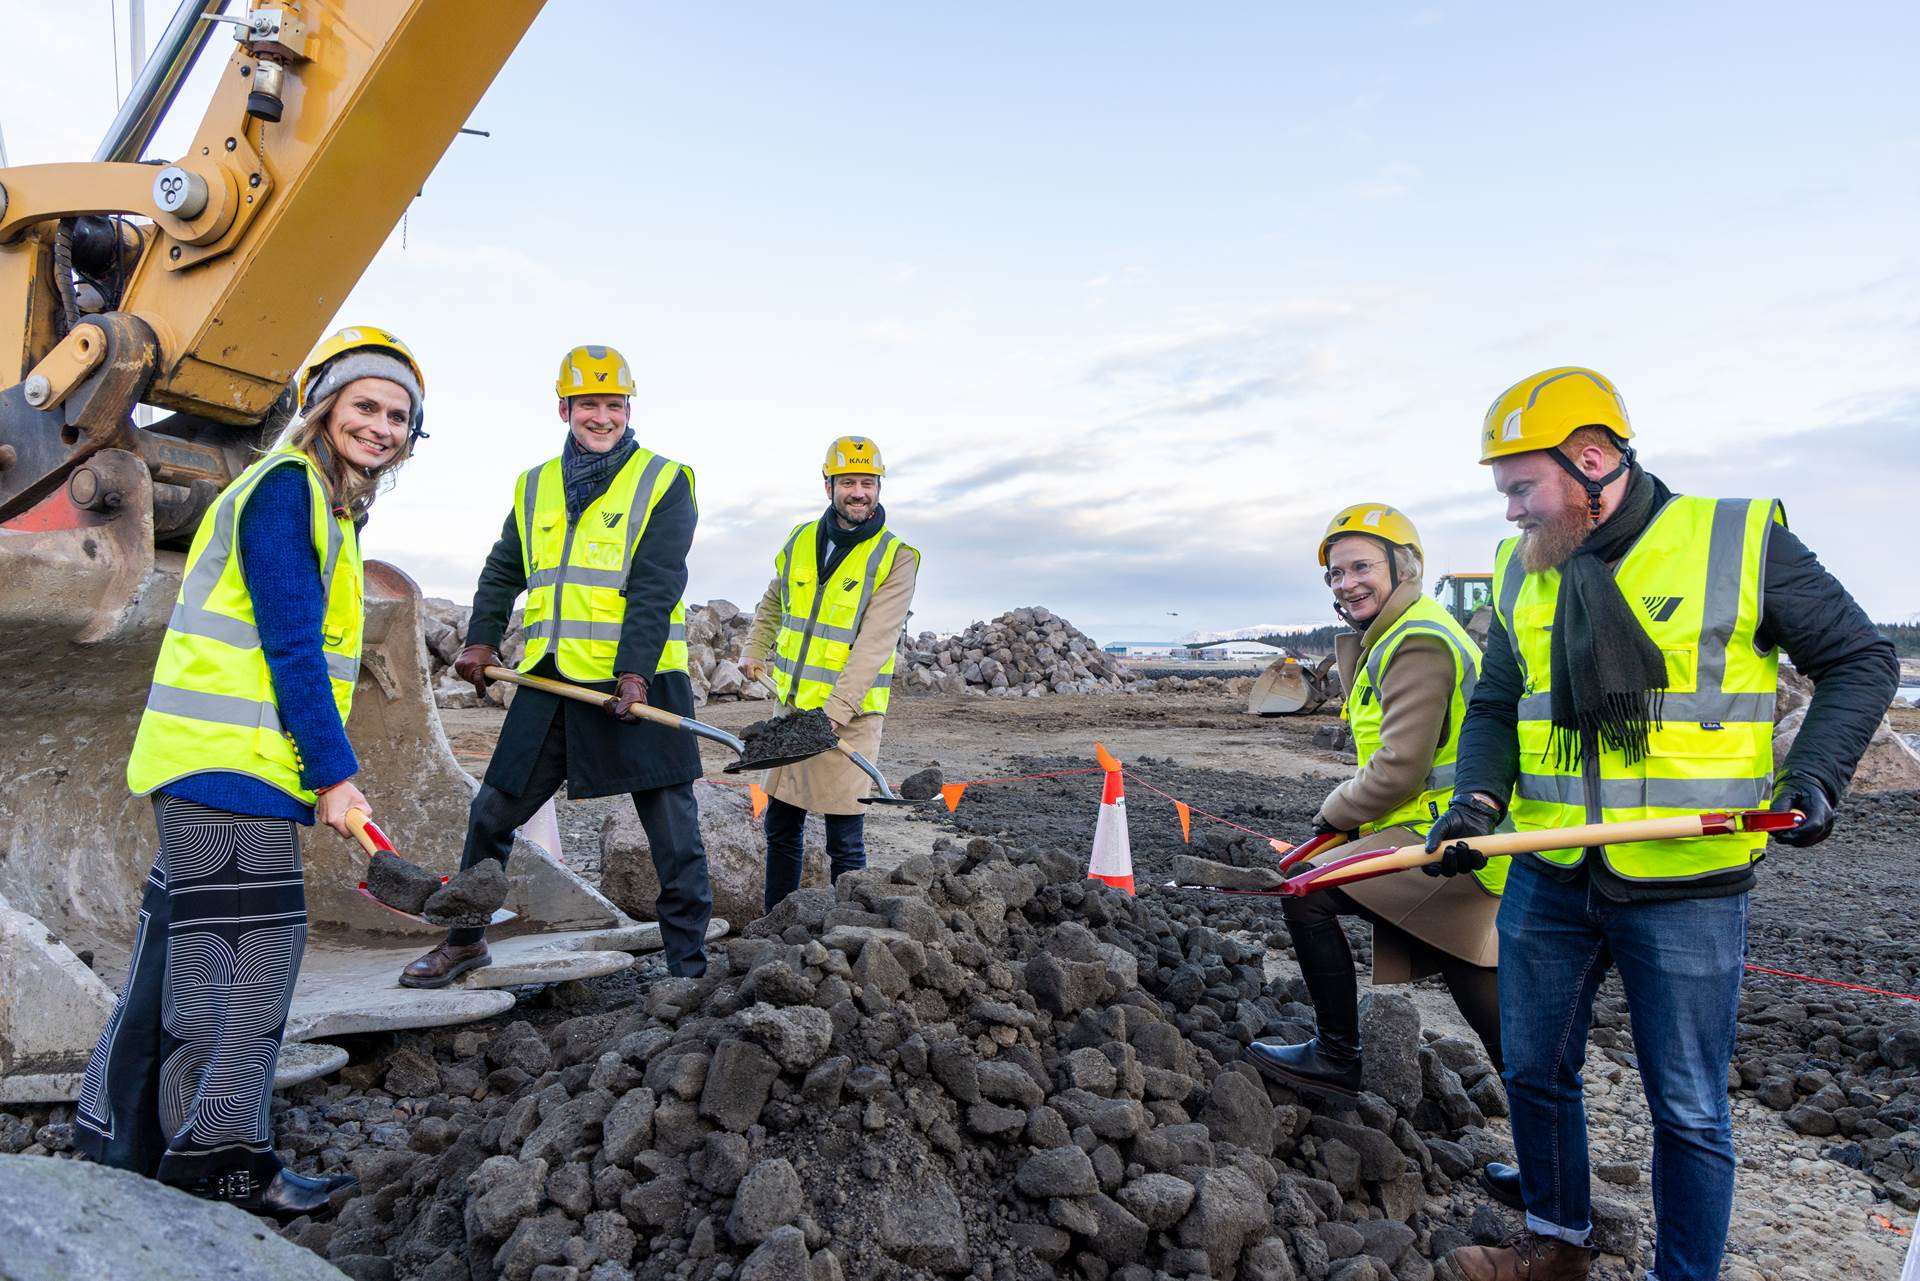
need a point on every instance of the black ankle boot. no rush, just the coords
(287, 1196)
(1330, 1062)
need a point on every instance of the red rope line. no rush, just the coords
(1854, 987)
(1195, 809)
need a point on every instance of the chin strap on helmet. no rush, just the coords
(1595, 487)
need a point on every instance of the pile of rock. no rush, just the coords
(716, 635)
(1891, 762)
(977, 1064)
(1024, 653)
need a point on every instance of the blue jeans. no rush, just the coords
(786, 847)
(1680, 962)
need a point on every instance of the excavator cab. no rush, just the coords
(1469, 598)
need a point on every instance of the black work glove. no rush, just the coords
(630, 693)
(1798, 792)
(1456, 858)
(1323, 828)
(473, 662)
(1466, 818)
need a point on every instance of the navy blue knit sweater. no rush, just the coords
(282, 573)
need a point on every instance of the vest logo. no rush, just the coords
(1660, 608)
(848, 584)
(1711, 725)
(609, 519)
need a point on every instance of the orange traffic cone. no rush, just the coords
(1112, 860)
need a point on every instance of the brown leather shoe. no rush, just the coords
(1525, 1256)
(445, 964)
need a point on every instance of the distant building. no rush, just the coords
(1240, 651)
(1144, 649)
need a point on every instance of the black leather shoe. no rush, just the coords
(1311, 1066)
(1502, 1183)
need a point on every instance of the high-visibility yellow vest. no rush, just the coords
(577, 570)
(1424, 617)
(1694, 580)
(820, 621)
(211, 705)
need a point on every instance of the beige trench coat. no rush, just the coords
(830, 783)
(1452, 913)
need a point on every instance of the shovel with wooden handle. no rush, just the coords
(1364, 867)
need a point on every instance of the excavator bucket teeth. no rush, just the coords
(84, 601)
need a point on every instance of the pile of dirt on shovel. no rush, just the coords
(795, 735)
(977, 1064)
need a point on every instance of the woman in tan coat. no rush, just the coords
(1409, 669)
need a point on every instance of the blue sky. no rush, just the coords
(1135, 296)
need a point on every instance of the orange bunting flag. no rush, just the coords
(1186, 821)
(1105, 757)
(951, 793)
(1279, 847)
(757, 797)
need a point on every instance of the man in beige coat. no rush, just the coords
(826, 631)
(1409, 669)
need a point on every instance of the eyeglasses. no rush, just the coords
(1359, 569)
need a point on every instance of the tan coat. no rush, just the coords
(830, 783)
(1452, 913)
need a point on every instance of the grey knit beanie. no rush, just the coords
(366, 362)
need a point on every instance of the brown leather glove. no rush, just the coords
(631, 692)
(472, 662)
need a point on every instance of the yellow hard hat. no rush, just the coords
(1371, 520)
(593, 371)
(1542, 411)
(853, 456)
(355, 338)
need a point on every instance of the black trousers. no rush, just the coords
(181, 1082)
(1475, 988)
(786, 825)
(670, 817)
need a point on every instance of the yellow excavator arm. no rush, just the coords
(199, 286)
(206, 280)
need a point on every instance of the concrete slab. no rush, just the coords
(301, 1062)
(557, 968)
(52, 1006)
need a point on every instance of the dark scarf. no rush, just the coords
(1608, 675)
(838, 542)
(587, 474)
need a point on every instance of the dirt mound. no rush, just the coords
(978, 1063)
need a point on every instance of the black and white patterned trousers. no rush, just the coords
(179, 1086)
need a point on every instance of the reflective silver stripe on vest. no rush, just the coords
(574, 629)
(1704, 707)
(886, 540)
(1722, 605)
(826, 677)
(191, 617)
(529, 504)
(1510, 585)
(845, 635)
(1442, 776)
(1645, 793)
(676, 631)
(638, 514)
(613, 578)
(220, 709)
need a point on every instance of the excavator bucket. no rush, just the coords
(1286, 688)
(84, 600)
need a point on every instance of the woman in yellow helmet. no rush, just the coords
(1409, 669)
(244, 738)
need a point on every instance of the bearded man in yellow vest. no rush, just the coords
(1409, 670)
(829, 622)
(597, 539)
(1630, 673)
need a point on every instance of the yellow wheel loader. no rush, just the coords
(197, 287)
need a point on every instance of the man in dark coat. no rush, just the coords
(598, 541)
